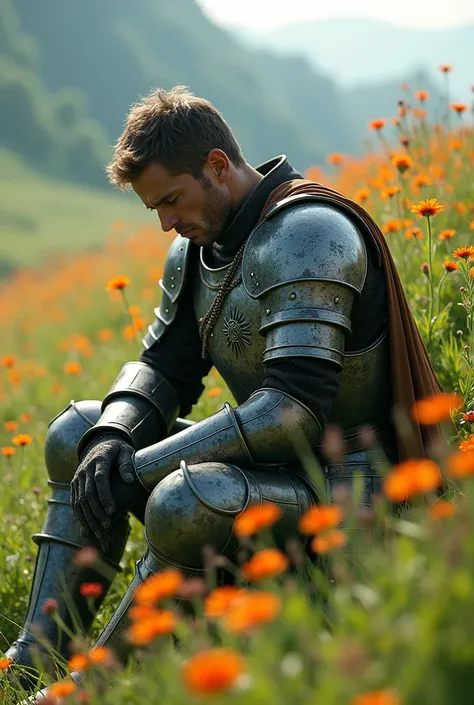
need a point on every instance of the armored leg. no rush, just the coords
(56, 575)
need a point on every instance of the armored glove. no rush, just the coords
(97, 490)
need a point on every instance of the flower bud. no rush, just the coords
(425, 268)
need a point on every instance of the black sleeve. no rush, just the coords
(177, 355)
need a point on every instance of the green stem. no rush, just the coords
(438, 306)
(430, 279)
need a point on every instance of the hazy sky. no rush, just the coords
(261, 14)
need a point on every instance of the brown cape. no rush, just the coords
(413, 376)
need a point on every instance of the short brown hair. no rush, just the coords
(175, 129)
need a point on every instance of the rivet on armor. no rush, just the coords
(179, 269)
(268, 312)
(172, 286)
(252, 274)
(172, 279)
(167, 310)
(293, 296)
(212, 335)
(181, 249)
(336, 299)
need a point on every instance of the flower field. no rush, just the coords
(395, 624)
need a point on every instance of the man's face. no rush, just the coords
(198, 210)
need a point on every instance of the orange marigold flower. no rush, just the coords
(10, 426)
(377, 697)
(159, 586)
(447, 234)
(445, 68)
(139, 323)
(252, 610)
(334, 159)
(441, 510)
(79, 662)
(117, 283)
(461, 464)
(104, 335)
(389, 192)
(213, 671)
(8, 361)
(61, 689)
(458, 108)
(402, 162)
(436, 408)
(329, 541)
(427, 208)
(392, 226)
(129, 332)
(25, 417)
(141, 613)
(5, 663)
(134, 310)
(320, 518)
(377, 124)
(362, 195)
(94, 590)
(22, 439)
(255, 518)
(422, 95)
(214, 392)
(450, 266)
(101, 656)
(464, 252)
(220, 600)
(421, 180)
(265, 564)
(73, 368)
(467, 444)
(412, 477)
(141, 633)
(8, 451)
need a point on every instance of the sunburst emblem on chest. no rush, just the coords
(236, 330)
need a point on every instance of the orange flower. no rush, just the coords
(5, 663)
(427, 208)
(389, 192)
(450, 266)
(158, 586)
(140, 613)
(421, 180)
(255, 518)
(22, 439)
(265, 564)
(141, 633)
(105, 335)
(447, 234)
(441, 510)
(213, 671)
(461, 464)
(220, 600)
(445, 68)
(464, 252)
(392, 226)
(214, 392)
(422, 95)
(10, 426)
(134, 310)
(436, 408)
(129, 333)
(362, 195)
(79, 662)
(467, 444)
(138, 323)
(334, 159)
(377, 697)
(377, 124)
(412, 477)
(252, 610)
(458, 108)
(8, 361)
(328, 541)
(73, 368)
(94, 590)
(320, 518)
(117, 283)
(25, 417)
(8, 451)
(402, 162)
(61, 689)
(100, 656)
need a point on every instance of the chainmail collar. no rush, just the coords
(245, 214)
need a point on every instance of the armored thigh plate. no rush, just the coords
(196, 505)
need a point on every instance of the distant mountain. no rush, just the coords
(362, 51)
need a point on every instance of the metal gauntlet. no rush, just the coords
(259, 432)
(142, 406)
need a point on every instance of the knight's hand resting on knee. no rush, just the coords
(91, 494)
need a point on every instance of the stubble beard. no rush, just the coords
(215, 215)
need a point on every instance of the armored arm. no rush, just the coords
(305, 265)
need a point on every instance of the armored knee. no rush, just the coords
(195, 507)
(63, 435)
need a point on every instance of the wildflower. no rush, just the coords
(129, 332)
(62, 689)
(377, 124)
(334, 159)
(5, 663)
(464, 252)
(22, 439)
(392, 226)
(101, 656)
(327, 542)
(441, 510)
(158, 586)
(436, 408)
(425, 268)
(8, 451)
(458, 108)
(422, 96)
(255, 518)
(220, 600)
(143, 632)
(377, 697)
(427, 208)
(138, 323)
(86, 557)
(78, 662)
(469, 417)
(421, 180)
(402, 162)
(404, 140)
(25, 417)
(8, 361)
(265, 564)
(461, 464)
(362, 195)
(93, 590)
(49, 606)
(447, 234)
(252, 610)
(104, 335)
(419, 113)
(390, 191)
(320, 518)
(445, 68)
(412, 477)
(414, 232)
(213, 671)
(117, 284)
(10, 426)
(450, 266)
(467, 444)
(134, 310)
(461, 208)
(214, 392)
(73, 368)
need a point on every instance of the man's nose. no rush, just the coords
(168, 222)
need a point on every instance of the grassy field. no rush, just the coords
(396, 627)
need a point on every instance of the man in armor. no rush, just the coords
(286, 287)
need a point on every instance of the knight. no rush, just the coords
(288, 288)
